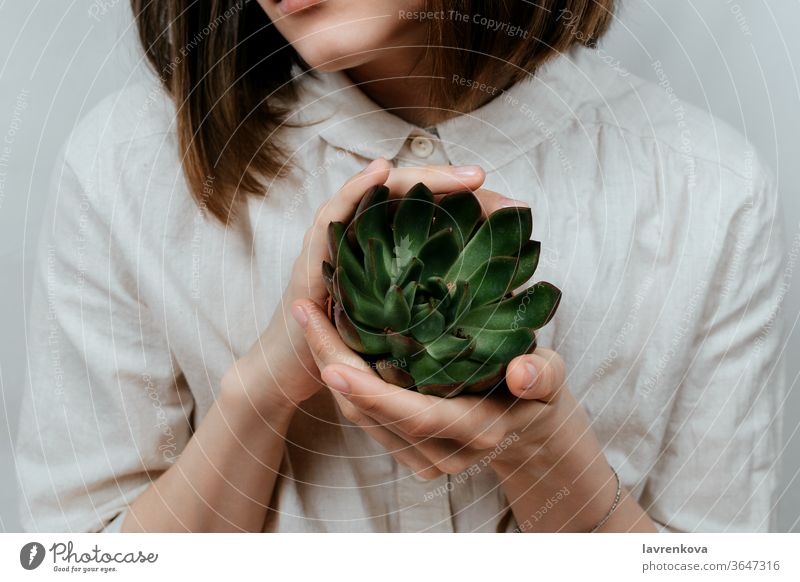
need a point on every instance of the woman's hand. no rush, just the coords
(433, 435)
(278, 370)
(536, 437)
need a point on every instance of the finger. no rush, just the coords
(402, 451)
(439, 179)
(492, 201)
(323, 340)
(343, 204)
(478, 422)
(447, 455)
(536, 376)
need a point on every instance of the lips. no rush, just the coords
(292, 6)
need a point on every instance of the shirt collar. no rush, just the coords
(347, 119)
(516, 120)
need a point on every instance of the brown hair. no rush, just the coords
(227, 67)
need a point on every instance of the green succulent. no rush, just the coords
(422, 290)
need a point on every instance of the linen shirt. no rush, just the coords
(657, 221)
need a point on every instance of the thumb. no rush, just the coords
(536, 376)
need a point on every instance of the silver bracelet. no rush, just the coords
(613, 505)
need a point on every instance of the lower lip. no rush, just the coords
(292, 6)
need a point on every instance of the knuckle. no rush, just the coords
(417, 426)
(489, 438)
(367, 405)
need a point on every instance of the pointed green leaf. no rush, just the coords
(531, 308)
(412, 221)
(360, 307)
(487, 378)
(403, 346)
(342, 255)
(359, 338)
(436, 287)
(371, 218)
(500, 346)
(411, 272)
(460, 301)
(393, 372)
(492, 280)
(474, 374)
(438, 254)
(460, 212)
(430, 377)
(528, 261)
(447, 348)
(377, 273)
(426, 323)
(502, 234)
(397, 313)
(410, 292)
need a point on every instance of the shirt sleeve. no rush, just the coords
(718, 465)
(105, 410)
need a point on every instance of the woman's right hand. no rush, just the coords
(279, 370)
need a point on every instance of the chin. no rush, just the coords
(333, 35)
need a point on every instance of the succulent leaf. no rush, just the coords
(359, 305)
(392, 372)
(397, 313)
(531, 308)
(341, 253)
(412, 220)
(460, 301)
(371, 218)
(403, 346)
(492, 280)
(500, 345)
(446, 348)
(438, 254)
(377, 271)
(410, 273)
(360, 340)
(427, 323)
(410, 292)
(528, 261)
(460, 212)
(502, 234)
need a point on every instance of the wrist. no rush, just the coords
(248, 386)
(567, 467)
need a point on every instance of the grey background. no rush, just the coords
(57, 59)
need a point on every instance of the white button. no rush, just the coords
(422, 147)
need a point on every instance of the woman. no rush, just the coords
(185, 378)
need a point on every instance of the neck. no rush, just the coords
(401, 82)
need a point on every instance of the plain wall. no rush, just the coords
(57, 59)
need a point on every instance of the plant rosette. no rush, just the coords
(423, 290)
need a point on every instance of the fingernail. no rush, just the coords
(467, 171)
(337, 382)
(511, 203)
(300, 316)
(531, 375)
